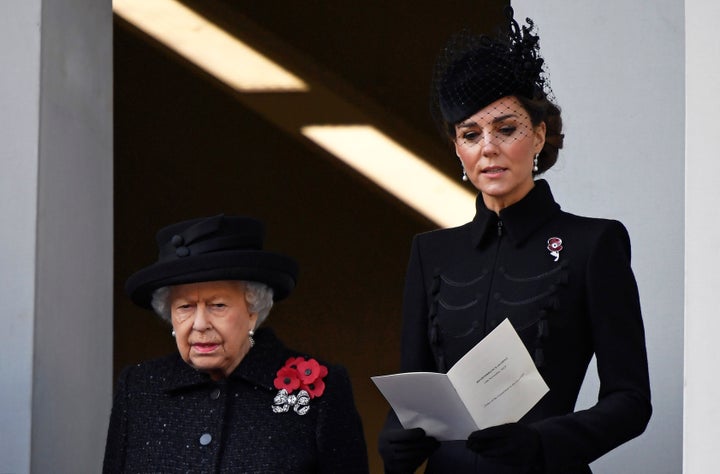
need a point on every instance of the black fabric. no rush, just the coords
(473, 71)
(211, 249)
(462, 282)
(512, 444)
(403, 451)
(162, 409)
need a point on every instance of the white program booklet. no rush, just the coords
(496, 382)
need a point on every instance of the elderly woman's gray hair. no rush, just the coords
(259, 298)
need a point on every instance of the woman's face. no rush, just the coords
(497, 146)
(211, 322)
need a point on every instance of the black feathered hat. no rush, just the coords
(474, 71)
(212, 249)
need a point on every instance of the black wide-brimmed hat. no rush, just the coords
(213, 249)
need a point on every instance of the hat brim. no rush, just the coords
(277, 271)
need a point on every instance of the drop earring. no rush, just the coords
(173, 333)
(251, 333)
(464, 175)
(535, 163)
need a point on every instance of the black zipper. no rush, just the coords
(492, 276)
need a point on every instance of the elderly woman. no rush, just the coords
(234, 398)
(564, 281)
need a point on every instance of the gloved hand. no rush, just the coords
(403, 451)
(512, 444)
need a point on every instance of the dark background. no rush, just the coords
(188, 146)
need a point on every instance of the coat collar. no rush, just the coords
(258, 367)
(261, 364)
(519, 220)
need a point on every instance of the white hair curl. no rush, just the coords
(258, 296)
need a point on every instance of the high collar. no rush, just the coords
(519, 220)
(259, 366)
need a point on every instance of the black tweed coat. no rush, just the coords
(566, 306)
(168, 417)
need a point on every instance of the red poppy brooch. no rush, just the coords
(298, 373)
(554, 245)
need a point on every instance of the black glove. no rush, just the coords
(403, 451)
(513, 444)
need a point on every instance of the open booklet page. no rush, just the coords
(495, 382)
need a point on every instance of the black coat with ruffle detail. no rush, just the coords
(168, 417)
(566, 306)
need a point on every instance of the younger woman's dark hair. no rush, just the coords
(540, 110)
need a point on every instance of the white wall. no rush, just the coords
(19, 125)
(617, 69)
(702, 237)
(56, 234)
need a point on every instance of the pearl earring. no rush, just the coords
(535, 163)
(464, 176)
(173, 333)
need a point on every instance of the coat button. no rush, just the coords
(205, 439)
(215, 394)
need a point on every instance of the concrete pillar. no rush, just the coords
(56, 234)
(702, 237)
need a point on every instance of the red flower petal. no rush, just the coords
(323, 371)
(287, 378)
(315, 389)
(292, 362)
(309, 371)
